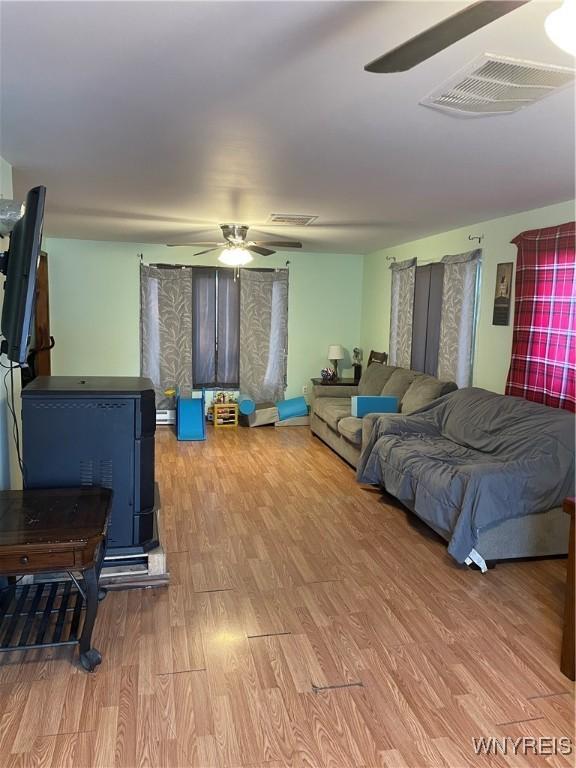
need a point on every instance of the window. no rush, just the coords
(544, 340)
(215, 328)
(426, 319)
(201, 328)
(433, 316)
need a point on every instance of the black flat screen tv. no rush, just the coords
(19, 264)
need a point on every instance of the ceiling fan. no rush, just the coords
(236, 249)
(442, 35)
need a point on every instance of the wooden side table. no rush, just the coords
(334, 382)
(567, 656)
(48, 531)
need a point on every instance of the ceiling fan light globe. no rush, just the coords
(235, 257)
(560, 26)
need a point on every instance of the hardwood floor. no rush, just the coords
(308, 623)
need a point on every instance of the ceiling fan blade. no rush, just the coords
(442, 35)
(280, 243)
(193, 245)
(209, 250)
(259, 250)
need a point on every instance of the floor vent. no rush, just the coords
(493, 85)
(291, 219)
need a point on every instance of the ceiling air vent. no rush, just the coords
(493, 85)
(291, 219)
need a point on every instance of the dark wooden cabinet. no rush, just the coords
(567, 663)
(42, 341)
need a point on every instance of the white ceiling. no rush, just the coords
(155, 121)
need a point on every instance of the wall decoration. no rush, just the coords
(502, 293)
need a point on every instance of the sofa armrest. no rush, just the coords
(368, 424)
(333, 390)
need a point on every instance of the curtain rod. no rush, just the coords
(432, 261)
(207, 266)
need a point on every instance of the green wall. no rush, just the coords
(334, 299)
(5, 191)
(5, 179)
(493, 343)
(94, 305)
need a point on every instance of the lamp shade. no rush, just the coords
(335, 352)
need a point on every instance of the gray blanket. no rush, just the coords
(472, 459)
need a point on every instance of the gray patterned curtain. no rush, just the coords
(401, 312)
(263, 334)
(459, 292)
(166, 329)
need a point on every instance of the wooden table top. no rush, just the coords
(71, 516)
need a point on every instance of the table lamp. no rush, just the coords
(335, 353)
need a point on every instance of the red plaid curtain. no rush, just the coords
(544, 341)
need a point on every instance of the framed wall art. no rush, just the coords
(503, 293)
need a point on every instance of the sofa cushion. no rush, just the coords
(333, 390)
(399, 382)
(449, 386)
(374, 378)
(423, 390)
(351, 429)
(332, 409)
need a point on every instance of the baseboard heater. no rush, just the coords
(166, 416)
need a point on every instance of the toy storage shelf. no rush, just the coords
(225, 415)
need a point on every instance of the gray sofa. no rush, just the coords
(331, 409)
(485, 471)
